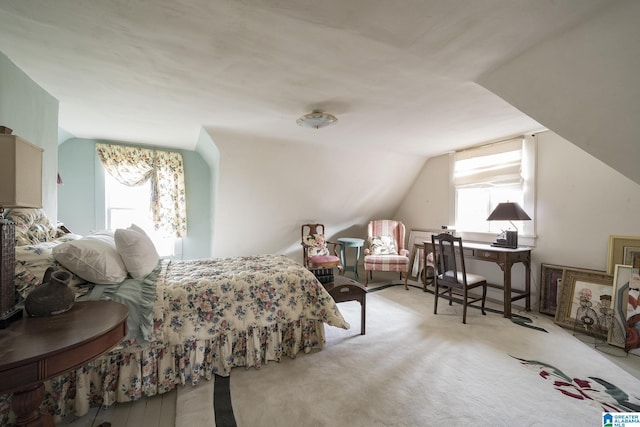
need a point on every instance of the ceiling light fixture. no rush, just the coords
(316, 119)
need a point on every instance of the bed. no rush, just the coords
(188, 319)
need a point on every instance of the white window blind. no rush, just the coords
(490, 165)
(487, 175)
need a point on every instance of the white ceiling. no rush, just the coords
(399, 75)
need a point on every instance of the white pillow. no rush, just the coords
(93, 258)
(137, 251)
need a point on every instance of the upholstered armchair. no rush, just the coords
(386, 251)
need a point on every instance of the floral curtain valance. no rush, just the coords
(134, 166)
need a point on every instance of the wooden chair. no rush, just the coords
(315, 250)
(452, 276)
(386, 251)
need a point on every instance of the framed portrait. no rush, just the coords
(550, 285)
(626, 313)
(415, 247)
(622, 250)
(585, 302)
(550, 281)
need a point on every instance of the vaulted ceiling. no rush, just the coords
(398, 75)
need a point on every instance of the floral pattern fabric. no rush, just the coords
(316, 245)
(35, 239)
(32, 226)
(209, 315)
(134, 166)
(383, 245)
(33, 260)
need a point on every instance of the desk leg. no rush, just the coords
(527, 284)
(508, 300)
(506, 269)
(26, 405)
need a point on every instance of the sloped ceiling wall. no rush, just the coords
(583, 85)
(267, 189)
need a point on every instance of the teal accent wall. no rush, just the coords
(198, 184)
(211, 154)
(77, 194)
(32, 113)
(81, 198)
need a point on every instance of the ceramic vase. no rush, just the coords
(53, 297)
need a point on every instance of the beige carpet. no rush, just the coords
(413, 368)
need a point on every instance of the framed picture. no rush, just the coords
(625, 292)
(415, 247)
(622, 250)
(632, 341)
(584, 298)
(550, 281)
(550, 285)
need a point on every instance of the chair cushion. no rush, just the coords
(386, 263)
(316, 245)
(383, 245)
(471, 278)
(323, 260)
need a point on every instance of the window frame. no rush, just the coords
(167, 247)
(526, 233)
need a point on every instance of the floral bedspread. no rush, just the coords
(209, 297)
(209, 315)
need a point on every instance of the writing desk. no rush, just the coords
(505, 258)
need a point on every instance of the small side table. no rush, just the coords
(350, 242)
(36, 349)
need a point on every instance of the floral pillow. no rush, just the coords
(33, 260)
(316, 245)
(383, 245)
(32, 226)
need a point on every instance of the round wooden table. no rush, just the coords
(35, 349)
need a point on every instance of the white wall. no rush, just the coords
(583, 85)
(267, 190)
(429, 202)
(580, 202)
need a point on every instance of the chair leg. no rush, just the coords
(435, 302)
(366, 278)
(406, 277)
(484, 297)
(464, 306)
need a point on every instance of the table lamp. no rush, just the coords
(508, 211)
(20, 186)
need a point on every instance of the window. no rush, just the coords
(146, 187)
(487, 175)
(131, 205)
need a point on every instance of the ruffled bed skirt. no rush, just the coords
(128, 374)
